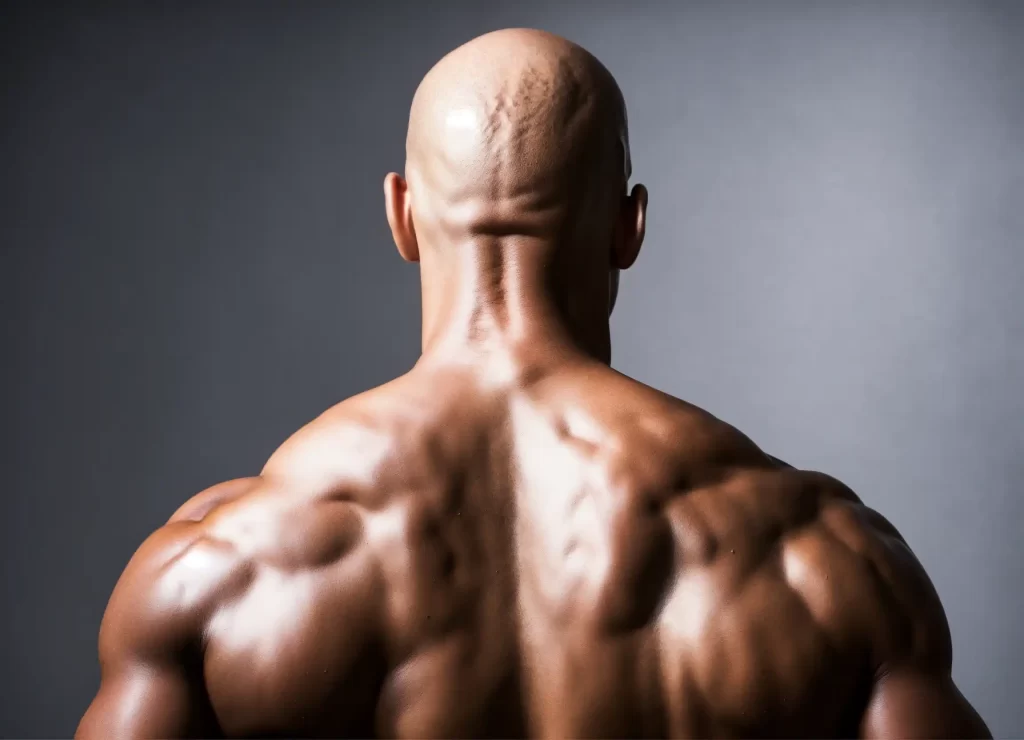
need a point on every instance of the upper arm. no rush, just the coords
(912, 693)
(150, 642)
(907, 702)
(144, 697)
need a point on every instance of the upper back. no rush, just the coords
(571, 556)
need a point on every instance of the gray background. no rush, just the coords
(195, 261)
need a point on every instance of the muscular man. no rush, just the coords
(513, 539)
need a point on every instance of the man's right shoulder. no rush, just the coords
(212, 550)
(197, 507)
(170, 587)
(351, 450)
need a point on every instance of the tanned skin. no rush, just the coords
(513, 539)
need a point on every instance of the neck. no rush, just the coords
(496, 300)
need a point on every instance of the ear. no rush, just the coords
(398, 206)
(613, 289)
(631, 228)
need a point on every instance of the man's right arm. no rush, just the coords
(150, 639)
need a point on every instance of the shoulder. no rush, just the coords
(859, 577)
(168, 590)
(863, 583)
(213, 549)
(354, 430)
(197, 507)
(357, 449)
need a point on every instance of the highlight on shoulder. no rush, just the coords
(197, 507)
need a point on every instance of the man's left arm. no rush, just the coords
(913, 694)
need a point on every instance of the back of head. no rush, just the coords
(518, 132)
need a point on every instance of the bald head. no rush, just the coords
(517, 161)
(517, 131)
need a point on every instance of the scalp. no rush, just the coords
(508, 129)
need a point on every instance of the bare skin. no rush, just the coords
(513, 539)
